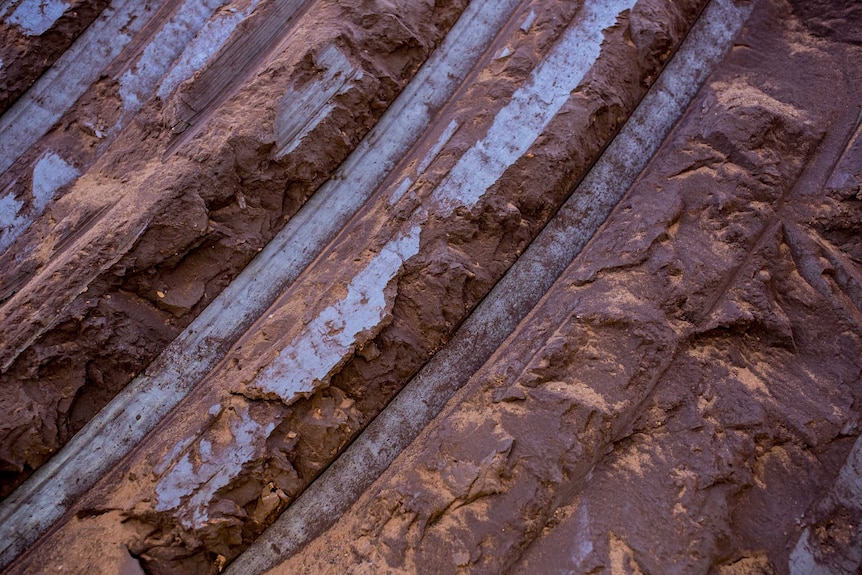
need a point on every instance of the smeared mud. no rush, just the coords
(202, 487)
(686, 396)
(684, 399)
(124, 259)
(32, 42)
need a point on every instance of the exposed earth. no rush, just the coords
(396, 286)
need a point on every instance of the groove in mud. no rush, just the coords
(232, 64)
(30, 118)
(650, 412)
(33, 34)
(35, 505)
(331, 494)
(454, 268)
(682, 397)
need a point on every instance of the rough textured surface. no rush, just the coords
(26, 52)
(684, 399)
(685, 394)
(143, 241)
(313, 370)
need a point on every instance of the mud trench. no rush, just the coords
(383, 286)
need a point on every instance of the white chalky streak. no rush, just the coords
(50, 174)
(35, 17)
(400, 190)
(331, 495)
(42, 499)
(582, 545)
(11, 220)
(430, 156)
(331, 336)
(173, 455)
(438, 146)
(207, 42)
(47, 100)
(531, 108)
(138, 82)
(293, 122)
(214, 467)
(528, 22)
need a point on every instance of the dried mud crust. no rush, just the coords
(143, 241)
(687, 392)
(271, 446)
(26, 55)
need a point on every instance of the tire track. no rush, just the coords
(394, 230)
(144, 214)
(517, 293)
(137, 410)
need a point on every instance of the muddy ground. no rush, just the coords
(685, 398)
(120, 263)
(32, 44)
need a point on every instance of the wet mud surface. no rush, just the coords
(688, 392)
(146, 238)
(32, 42)
(684, 399)
(192, 504)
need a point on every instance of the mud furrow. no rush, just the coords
(534, 301)
(34, 35)
(170, 223)
(408, 258)
(233, 64)
(330, 495)
(30, 118)
(137, 410)
(618, 429)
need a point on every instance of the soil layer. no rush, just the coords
(260, 441)
(685, 396)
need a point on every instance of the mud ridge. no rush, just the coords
(331, 494)
(144, 245)
(136, 410)
(34, 36)
(652, 413)
(421, 254)
(373, 286)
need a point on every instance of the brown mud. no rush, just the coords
(683, 398)
(26, 56)
(143, 241)
(460, 256)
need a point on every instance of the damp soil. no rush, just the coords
(25, 56)
(684, 398)
(460, 256)
(153, 230)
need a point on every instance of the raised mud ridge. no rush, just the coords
(138, 184)
(377, 286)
